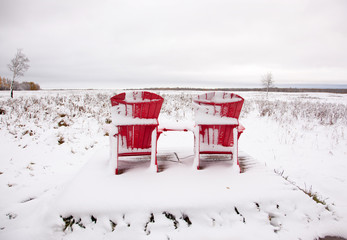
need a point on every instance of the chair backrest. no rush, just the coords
(222, 104)
(129, 106)
(139, 104)
(215, 111)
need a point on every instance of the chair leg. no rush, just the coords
(196, 163)
(113, 151)
(236, 148)
(116, 152)
(154, 161)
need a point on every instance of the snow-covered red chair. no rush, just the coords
(217, 127)
(134, 126)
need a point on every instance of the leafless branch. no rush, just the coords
(267, 81)
(18, 65)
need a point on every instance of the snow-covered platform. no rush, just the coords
(180, 202)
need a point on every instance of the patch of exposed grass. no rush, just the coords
(309, 192)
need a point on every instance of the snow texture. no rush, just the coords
(56, 183)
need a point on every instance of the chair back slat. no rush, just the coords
(141, 105)
(218, 104)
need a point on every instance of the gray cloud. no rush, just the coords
(134, 43)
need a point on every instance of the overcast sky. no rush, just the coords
(200, 43)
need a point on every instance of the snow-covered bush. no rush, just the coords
(177, 105)
(71, 114)
(284, 111)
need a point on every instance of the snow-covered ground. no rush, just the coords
(55, 182)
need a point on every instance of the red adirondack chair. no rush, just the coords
(135, 117)
(217, 127)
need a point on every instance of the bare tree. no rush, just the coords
(267, 81)
(19, 65)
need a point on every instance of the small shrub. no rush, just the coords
(81, 109)
(113, 225)
(171, 217)
(70, 221)
(30, 132)
(94, 220)
(11, 215)
(186, 219)
(151, 220)
(237, 211)
(80, 224)
(62, 123)
(61, 140)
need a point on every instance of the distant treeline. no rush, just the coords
(5, 84)
(327, 90)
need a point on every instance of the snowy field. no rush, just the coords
(55, 182)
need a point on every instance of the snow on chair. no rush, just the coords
(135, 126)
(217, 127)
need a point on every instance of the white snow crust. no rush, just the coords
(55, 164)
